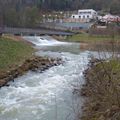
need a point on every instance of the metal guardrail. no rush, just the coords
(27, 31)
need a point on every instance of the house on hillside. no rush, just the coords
(85, 15)
(111, 18)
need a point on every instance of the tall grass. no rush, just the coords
(103, 86)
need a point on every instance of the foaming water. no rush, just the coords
(43, 40)
(47, 95)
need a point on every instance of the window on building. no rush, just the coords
(87, 16)
(80, 13)
(83, 16)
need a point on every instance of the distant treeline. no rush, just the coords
(29, 12)
(107, 5)
(112, 6)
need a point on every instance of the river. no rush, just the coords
(48, 95)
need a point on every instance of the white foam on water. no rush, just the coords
(47, 95)
(36, 96)
(43, 40)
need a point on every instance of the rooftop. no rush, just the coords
(83, 10)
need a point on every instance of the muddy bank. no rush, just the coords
(35, 63)
(101, 91)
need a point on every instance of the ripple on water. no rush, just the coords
(40, 96)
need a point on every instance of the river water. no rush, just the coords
(48, 95)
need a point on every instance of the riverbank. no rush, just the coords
(13, 52)
(87, 38)
(96, 42)
(17, 57)
(102, 90)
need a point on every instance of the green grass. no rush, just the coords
(90, 38)
(13, 53)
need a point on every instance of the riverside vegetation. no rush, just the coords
(102, 93)
(87, 38)
(16, 58)
(102, 90)
(13, 52)
(96, 42)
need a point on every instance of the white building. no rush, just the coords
(85, 15)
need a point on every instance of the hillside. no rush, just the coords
(113, 5)
(27, 13)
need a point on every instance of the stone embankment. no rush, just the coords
(34, 64)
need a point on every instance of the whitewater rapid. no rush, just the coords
(43, 40)
(48, 95)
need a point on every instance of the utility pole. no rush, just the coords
(1, 23)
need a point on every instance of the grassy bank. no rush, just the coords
(86, 38)
(103, 91)
(13, 52)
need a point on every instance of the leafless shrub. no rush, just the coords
(102, 87)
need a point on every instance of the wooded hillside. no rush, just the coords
(28, 12)
(109, 5)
